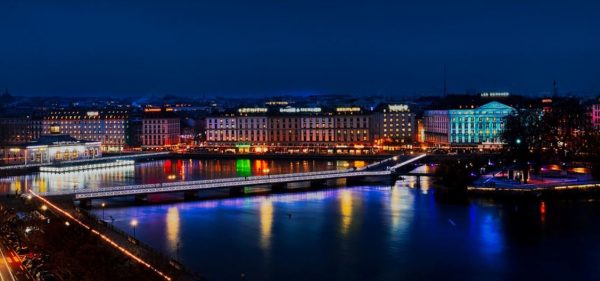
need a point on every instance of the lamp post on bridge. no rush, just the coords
(134, 223)
(103, 205)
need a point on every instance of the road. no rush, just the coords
(10, 266)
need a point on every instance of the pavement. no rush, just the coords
(499, 180)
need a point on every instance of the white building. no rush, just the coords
(50, 148)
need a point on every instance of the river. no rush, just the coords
(371, 232)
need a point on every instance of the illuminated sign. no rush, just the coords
(277, 103)
(152, 110)
(252, 110)
(301, 109)
(397, 107)
(242, 145)
(494, 94)
(347, 109)
(92, 113)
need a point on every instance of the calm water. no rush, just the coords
(165, 170)
(360, 233)
(374, 233)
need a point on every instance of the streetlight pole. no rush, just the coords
(103, 205)
(134, 223)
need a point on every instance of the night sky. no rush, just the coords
(250, 48)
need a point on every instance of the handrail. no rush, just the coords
(99, 194)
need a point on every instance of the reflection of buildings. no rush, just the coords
(55, 147)
(346, 210)
(266, 222)
(173, 224)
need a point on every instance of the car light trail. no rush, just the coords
(7, 266)
(102, 236)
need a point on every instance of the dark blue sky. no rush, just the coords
(248, 47)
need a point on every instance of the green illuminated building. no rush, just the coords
(481, 125)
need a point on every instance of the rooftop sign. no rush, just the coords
(301, 109)
(348, 109)
(494, 94)
(252, 110)
(397, 107)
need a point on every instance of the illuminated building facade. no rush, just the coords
(467, 127)
(54, 147)
(352, 129)
(252, 129)
(318, 129)
(482, 125)
(161, 129)
(393, 125)
(596, 116)
(436, 124)
(19, 129)
(288, 129)
(283, 130)
(109, 127)
(221, 129)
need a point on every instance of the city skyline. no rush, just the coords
(265, 49)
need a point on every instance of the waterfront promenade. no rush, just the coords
(498, 181)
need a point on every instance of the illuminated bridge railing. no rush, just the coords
(214, 185)
(373, 165)
(183, 183)
(279, 178)
(393, 168)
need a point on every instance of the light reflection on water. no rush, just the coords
(266, 222)
(359, 233)
(165, 170)
(172, 221)
(366, 233)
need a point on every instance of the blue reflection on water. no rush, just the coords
(355, 233)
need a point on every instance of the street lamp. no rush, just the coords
(134, 223)
(44, 207)
(103, 205)
(518, 141)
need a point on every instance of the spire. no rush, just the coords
(554, 89)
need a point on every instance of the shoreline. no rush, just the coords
(127, 254)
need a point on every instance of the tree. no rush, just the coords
(561, 134)
(453, 175)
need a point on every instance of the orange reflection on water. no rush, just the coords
(266, 222)
(346, 210)
(261, 167)
(173, 227)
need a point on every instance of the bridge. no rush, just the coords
(385, 170)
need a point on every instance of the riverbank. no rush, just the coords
(13, 170)
(75, 246)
